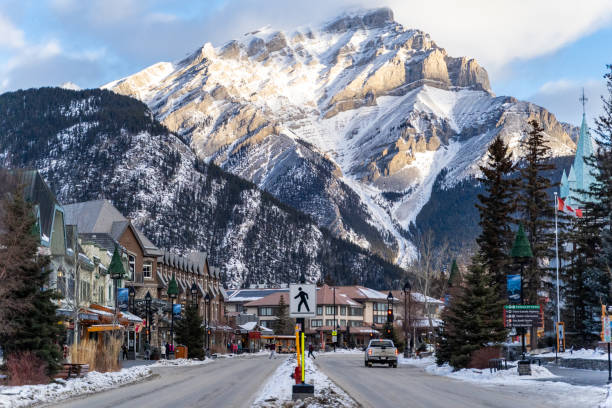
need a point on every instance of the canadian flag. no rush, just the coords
(568, 209)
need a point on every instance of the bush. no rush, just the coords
(26, 368)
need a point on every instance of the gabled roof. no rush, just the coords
(271, 299)
(362, 293)
(249, 295)
(101, 217)
(325, 296)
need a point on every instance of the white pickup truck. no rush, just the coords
(381, 352)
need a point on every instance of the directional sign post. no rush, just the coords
(522, 315)
(302, 300)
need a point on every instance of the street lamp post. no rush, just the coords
(148, 299)
(172, 294)
(206, 306)
(521, 254)
(116, 272)
(407, 296)
(334, 325)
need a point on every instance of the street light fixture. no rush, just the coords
(407, 297)
(148, 299)
(206, 306)
(172, 294)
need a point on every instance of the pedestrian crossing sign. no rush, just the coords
(302, 300)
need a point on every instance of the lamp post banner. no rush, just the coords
(302, 300)
(514, 288)
(176, 309)
(123, 296)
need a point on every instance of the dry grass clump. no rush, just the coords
(102, 355)
(25, 368)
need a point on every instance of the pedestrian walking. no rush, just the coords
(124, 352)
(162, 351)
(147, 350)
(310, 350)
(272, 348)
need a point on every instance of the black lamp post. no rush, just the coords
(116, 272)
(521, 254)
(206, 306)
(172, 293)
(194, 295)
(148, 299)
(334, 325)
(407, 297)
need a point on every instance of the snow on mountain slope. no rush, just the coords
(350, 121)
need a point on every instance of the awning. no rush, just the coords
(132, 318)
(104, 327)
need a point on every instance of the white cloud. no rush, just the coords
(561, 97)
(10, 36)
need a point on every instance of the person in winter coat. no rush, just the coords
(162, 351)
(272, 348)
(124, 352)
(310, 350)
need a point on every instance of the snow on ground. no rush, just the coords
(587, 354)
(93, 382)
(277, 391)
(180, 362)
(341, 351)
(562, 394)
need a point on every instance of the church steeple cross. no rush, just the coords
(583, 99)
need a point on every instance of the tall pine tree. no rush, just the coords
(496, 207)
(283, 323)
(189, 332)
(36, 330)
(473, 319)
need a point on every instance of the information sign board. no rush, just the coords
(522, 315)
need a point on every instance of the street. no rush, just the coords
(409, 386)
(227, 382)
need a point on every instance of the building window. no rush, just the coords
(265, 323)
(266, 311)
(355, 311)
(147, 270)
(101, 295)
(380, 319)
(329, 310)
(110, 294)
(380, 307)
(131, 266)
(316, 323)
(343, 322)
(319, 310)
(343, 310)
(329, 322)
(355, 323)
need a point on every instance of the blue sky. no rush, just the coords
(543, 51)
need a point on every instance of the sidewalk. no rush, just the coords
(134, 363)
(577, 376)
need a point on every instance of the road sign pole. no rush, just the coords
(609, 366)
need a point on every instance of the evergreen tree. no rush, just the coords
(536, 209)
(472, 321)
(189, 332)
(37, 329)
(283, 323)
(496, 207)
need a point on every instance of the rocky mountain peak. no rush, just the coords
(371, 18)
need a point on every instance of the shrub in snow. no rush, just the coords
(25, 368)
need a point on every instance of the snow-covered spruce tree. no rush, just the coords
(283, 323)
(189, 332)
(496, 207)
(472, 321)
(35, 329)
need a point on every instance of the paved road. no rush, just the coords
(228, 382)
(576, 376)
(411, 387)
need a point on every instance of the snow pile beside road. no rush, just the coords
(277, 391)
(587, 354)
(180, 362)
(93, 382)
(342, 351)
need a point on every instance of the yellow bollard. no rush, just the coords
(302, 357)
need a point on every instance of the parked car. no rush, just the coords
(381, 352)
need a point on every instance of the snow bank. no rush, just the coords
(180, 362)
(27, 395)
(587, 354)
(277, 391)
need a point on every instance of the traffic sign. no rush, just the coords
(522, 315)
(302, 300)
(334, 333)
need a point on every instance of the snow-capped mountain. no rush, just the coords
(352, 121)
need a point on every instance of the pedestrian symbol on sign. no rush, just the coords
(303, 299)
